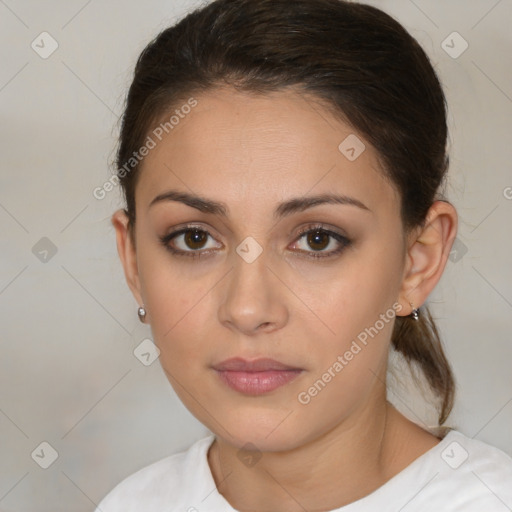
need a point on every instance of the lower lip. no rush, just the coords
(257, 383)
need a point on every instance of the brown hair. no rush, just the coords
(354, 58)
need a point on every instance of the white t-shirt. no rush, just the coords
(458, 474)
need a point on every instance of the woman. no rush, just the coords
(282, 164)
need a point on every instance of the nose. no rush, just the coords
(253, 299)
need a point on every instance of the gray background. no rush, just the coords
(68, 374)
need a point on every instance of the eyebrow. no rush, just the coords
(298, 204)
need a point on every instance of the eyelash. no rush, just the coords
(343, 240)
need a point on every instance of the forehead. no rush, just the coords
(240, 148)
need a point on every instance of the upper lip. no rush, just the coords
(238, 364)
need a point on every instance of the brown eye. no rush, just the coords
(189, 241)
(195, 239)
(318, 240)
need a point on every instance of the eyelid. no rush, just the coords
(319, 226)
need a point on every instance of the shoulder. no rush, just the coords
(174, 479)
(459, 474)
(471, 455)
(476, 457)
(468, 475)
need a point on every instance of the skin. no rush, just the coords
(251, 153)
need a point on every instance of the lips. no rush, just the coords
(259, 365)
(255, 377)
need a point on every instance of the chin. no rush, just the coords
(270, 430)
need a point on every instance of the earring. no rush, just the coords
(142, 313)
(415, 314)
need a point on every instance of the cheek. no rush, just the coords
(360, 307)
(353, 297)
(173, 297)
(359, 347)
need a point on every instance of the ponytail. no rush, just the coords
(419, 342)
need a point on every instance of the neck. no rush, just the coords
(341, 466)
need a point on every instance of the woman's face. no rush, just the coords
(255, 289)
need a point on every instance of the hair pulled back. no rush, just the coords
(357, 60)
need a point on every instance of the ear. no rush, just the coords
(427, 254)
(127, 253)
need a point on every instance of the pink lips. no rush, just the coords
(255, 377)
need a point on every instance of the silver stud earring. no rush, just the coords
(415, 314)
(142, 313)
